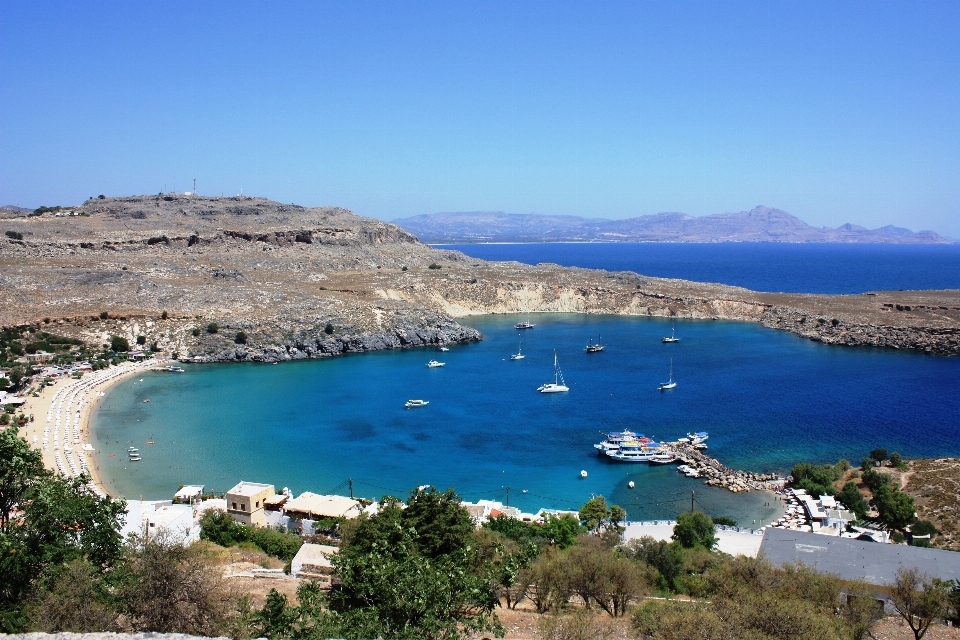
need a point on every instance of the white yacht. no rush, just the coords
(175, 369)
(444, 349)
(673, 335)
(670, 384)
(524, 325)
(614, 439)
(558, 385)
(697, 438)
(433, 364)
(409, 404)
(519, 354)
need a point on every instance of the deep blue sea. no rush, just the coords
(767, 398)
(761, 266)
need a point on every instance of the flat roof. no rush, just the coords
(249, 488)
(875, 562)
(317, 505)
(314, 554)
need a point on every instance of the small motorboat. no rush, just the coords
(524, 325)
(444, 349)
(416, 403)
(433, 364)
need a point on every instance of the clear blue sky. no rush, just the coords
(835, 111)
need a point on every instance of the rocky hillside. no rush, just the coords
(760, 224)
(312, 282)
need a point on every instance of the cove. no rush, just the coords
(767, 398)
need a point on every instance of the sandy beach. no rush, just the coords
(61, 419)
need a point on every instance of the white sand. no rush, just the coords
(61, 415)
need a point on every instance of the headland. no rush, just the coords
(249, 279)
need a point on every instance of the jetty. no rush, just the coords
(718, 474)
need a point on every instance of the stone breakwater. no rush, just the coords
(719, 475)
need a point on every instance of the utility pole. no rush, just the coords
(691, 501)
(350, 480)
(194, 186)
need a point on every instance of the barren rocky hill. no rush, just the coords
(310, 282)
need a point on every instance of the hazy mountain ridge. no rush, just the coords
(760, 224)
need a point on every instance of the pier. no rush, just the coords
(719, 475)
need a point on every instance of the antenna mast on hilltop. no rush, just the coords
(194, 186)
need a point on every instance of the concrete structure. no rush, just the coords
(161, 517)
(276, 502)
(729, 539)
(245, 502)
(313, 562)
(851, 559)
(188, 492)
(310, 506)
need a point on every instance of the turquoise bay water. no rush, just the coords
(767, 398)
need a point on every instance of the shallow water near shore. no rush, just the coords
(768, 399)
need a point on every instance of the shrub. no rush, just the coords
(15, 235)
(434, 265)
(924, 528)
(163, 316)
(195, 332)
(328, 329)
(851, 497)
(817, 481)
(725, 521)
(141, 340)
(879, 455)
(104, 315)
(119, 345)
(213, 327)
(240, 338)
(896, 459)
(403, 269)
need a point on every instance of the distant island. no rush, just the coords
(760, 224)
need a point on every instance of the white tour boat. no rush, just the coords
(433, 364)
(416, 403)
(524, 325)
(558, 385)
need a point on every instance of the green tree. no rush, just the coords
(396, 592)
(816, 480)
(694, 529)
(213, 327)
(594, 514)
(240, 338)
(141, 340)
(21, 467)
(879, 455)
(218, 527)
(442, 524)
(276, 618)
(665, 557)
(896, 508)
(328, 329)
(562, 531)
(104, 315)
(867, 463)
(119, 345)
(195, 332)
(164, 316)
(896, 459)
(851, 497)
(617, 515)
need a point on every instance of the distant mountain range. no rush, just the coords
(760, 224)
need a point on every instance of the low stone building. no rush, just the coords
(312, 562)
(245, 502)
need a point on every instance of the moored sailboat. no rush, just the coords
(558, 385)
